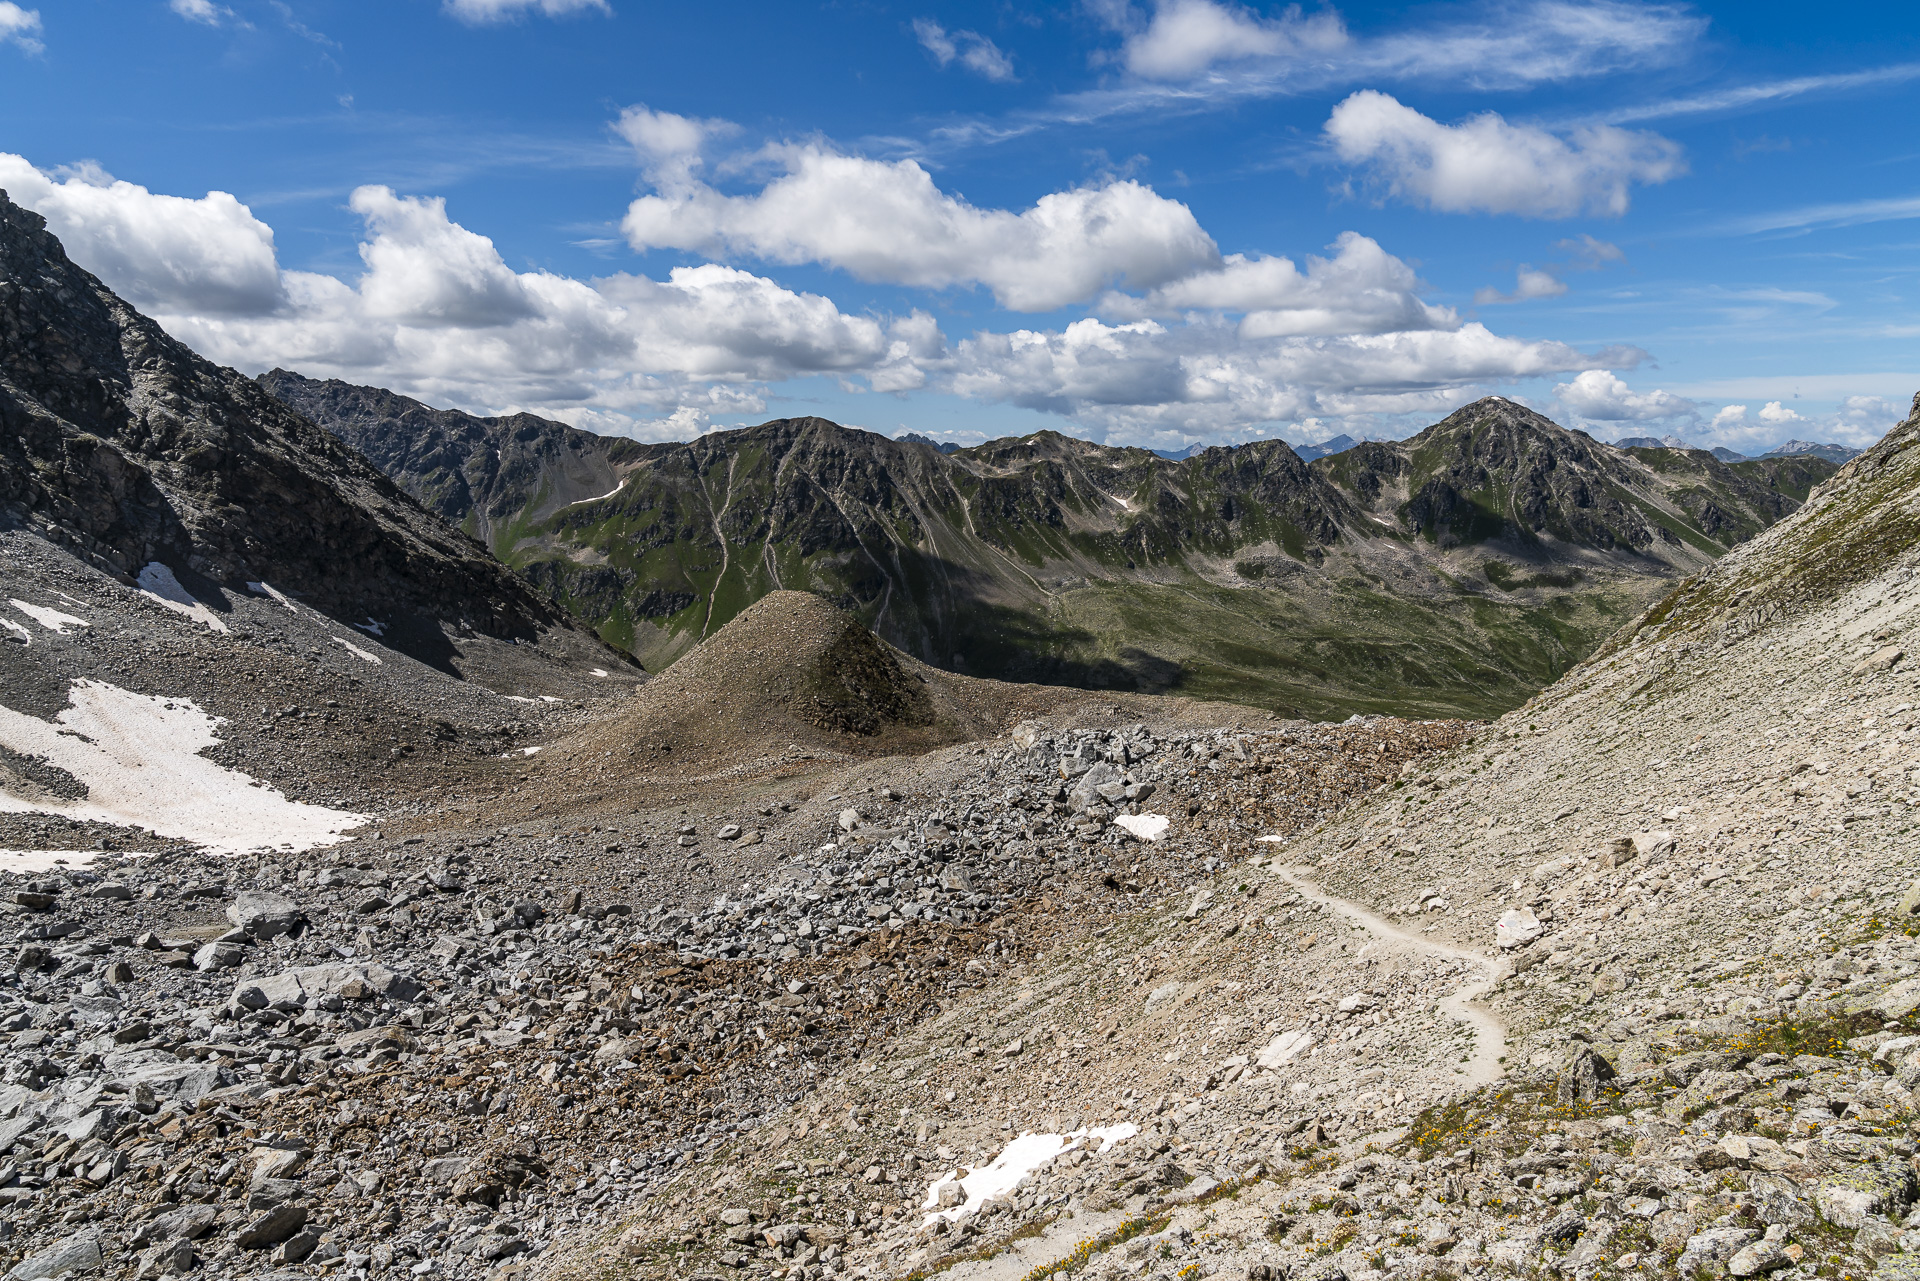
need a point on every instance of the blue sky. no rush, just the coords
(1148, 222)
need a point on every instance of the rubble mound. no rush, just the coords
(795, 671)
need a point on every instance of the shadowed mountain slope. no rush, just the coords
(1453, 573)
(119, 443)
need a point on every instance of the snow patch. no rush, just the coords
(25, 635)
(604, 497)
(1148, 827)
(1271, 840)
(516, 698)
(158, 582)
(1016, 1161)
(24, 861)
(355, 649)
(51, 619)
(139, 758)
(373, 627)
(598, 671)
(268, 589)
(523, 751)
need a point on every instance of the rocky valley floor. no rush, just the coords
(328, 962)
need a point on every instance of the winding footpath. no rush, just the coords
(1485, 1065)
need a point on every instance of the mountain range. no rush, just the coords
(329, 838)
(1831, 453)
(1454, 572)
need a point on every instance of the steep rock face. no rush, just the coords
(479, 474)
(120, 443)
(1496, 471)
(1447, 573)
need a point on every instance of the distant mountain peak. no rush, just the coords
(1326, 448)
(1833, 453)
(915, 438)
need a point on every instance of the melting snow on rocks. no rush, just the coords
(159, 584)
(51, 619)
(138, 757)
(356, 650)
(1148, 827)
(1016, 1161)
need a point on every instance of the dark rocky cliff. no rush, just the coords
(120, 443)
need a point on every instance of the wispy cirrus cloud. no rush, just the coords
(485, 12)
(1766, 93)
(204, 12)
(1849, 213)
(968, 48)
(1189, 56)
(21, 28)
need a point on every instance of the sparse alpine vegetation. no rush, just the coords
(1451, 574)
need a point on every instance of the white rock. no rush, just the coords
(1284, 1049)
(1517, 925)
(1647, 844)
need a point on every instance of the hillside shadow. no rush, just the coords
(956, 628)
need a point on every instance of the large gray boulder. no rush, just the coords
(1087, 789)
(296, 986)
(264, 916)
(77, 1253)
(165, 1075)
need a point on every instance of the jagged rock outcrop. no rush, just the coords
(120, 443)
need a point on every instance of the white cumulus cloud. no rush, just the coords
(1529, 283)
(1361, 289)
(1855, 420)
(669, 146)
(1221, 345)
(1137, 379)
(1599, 395)
(968, 48)
(1187, 37)
(887, 221)
(481, 12)
(1861, 420)
(438, 314)
(1485, 164)
(206, 255)
(20, 27)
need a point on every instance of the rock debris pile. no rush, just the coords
(452, 1048)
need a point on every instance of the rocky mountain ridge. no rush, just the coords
(122, 445)
(329, 963)
(1625, 984)
(1455, 572)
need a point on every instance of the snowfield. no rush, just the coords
(138, 757)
